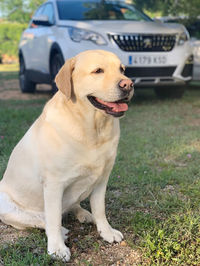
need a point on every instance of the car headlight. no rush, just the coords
(78, 35)
(182, 38)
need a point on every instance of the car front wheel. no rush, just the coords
(26, 85)
(172, 92)
(57, 62)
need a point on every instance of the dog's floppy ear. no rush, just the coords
(64, 78)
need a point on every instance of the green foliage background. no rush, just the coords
(15, 17)
(10, 33)
(19, 10)
(170, 7)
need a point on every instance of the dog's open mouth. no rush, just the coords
(116, 109)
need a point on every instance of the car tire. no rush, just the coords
(172, 92)
(26, 85)
(56, 63)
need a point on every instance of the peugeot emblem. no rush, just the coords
(147, 43)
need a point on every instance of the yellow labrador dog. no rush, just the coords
(69, 151)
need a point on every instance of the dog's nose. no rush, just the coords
(126, 85)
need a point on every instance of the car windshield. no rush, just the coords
(98, 10)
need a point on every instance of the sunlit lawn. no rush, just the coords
(9, 67)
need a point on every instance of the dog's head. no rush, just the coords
(96, 77)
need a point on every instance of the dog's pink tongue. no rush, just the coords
(116, 107)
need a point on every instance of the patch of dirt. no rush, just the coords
(9, 89)
(194, 122)
(115, 254)
(9, 234)
(88, 248)
(84, 250)
(190, 119)
(173, 191)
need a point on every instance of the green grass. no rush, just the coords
(16, 118)
(154, 189)
(6, 75)
(29, 251)
(9, 67)
(8, 72)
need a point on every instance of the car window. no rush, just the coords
(49, 11)
(39, 11)
(98, 10)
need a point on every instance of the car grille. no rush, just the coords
(144, 43)
(136, 72)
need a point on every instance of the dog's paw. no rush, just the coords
(111, 235)
(61, 252)
(64, 232)
(84, 216)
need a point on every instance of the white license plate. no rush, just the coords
(147, 59)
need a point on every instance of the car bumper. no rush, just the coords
(160, 76)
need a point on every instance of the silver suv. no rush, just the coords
(156, 55)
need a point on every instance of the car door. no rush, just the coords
(27, 43)
(43, 41)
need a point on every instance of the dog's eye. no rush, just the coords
(98, 70)
(122, 70)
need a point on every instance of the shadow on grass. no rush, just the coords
(148, 96)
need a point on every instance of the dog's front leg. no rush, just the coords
(53, 194)
(97, 202)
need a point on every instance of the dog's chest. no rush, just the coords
(96, 163)
(89, 168)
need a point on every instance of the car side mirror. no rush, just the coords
(41, 20)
